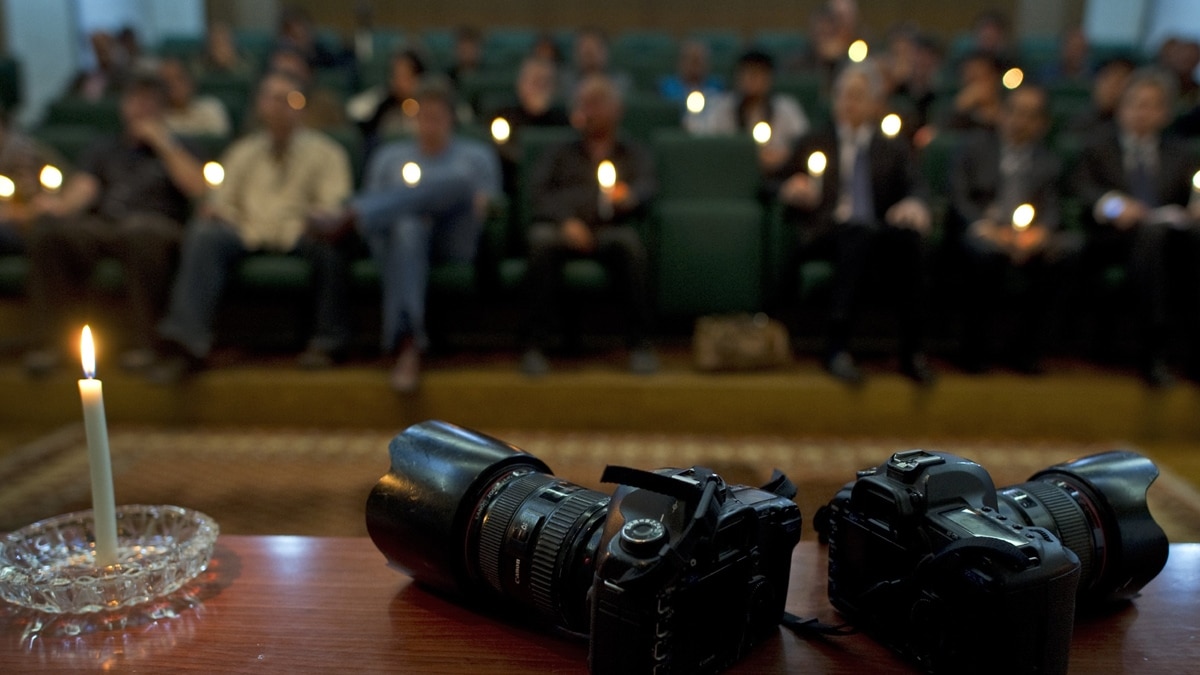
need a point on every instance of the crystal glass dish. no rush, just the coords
(50, 565)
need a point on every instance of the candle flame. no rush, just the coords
(890, 125)
(606, 175)
(1196, 181)
(214, 174)
(761, 133)
(858, 51)
(1013, 77)
(410, 107)
(411, 173)
(87, 353)
(51, 177)
(1023, 216)
(501, 130)
(695, 102)
(7, 187)
(817, 163)
(296, 100)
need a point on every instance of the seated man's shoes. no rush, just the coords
(917, 368)
(841, 365)
(643, 361)
(534, 363)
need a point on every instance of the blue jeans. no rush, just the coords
(407, 229)
(210, 254)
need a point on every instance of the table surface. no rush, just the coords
(310, 604)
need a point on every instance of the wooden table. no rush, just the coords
(305, 604)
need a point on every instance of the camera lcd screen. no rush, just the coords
(980, 525)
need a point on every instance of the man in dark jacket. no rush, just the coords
(868, 206)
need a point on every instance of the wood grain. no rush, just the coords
(311, 604)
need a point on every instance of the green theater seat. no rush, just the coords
(13, 271)
(68, 140)
(710, 256)
(706, 167)
(103, 115)
(646, 114)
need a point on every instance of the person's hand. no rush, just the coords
(1132, 212)
(152, 132)
(622, 197)
(44, 204)
(802, 191)
(1028, 243)
(772, 156)
(578, 236)
(911, 213)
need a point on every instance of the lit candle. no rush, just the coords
(606, 176)
(761, 133)
(1022, 217)
(1193, 202)
(1013, 77)
(51, 177)
(816, 168)
(695, 102)
(411, 173)
(501, 130)
(7, 188)
(890, 126)
(214, 174)
(857, 52)
(104, 510)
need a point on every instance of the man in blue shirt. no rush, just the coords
(423, 200)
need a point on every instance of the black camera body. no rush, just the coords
(677, 572)
(691, 572)
(922, 558)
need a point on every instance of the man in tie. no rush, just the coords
(1136, 185)
(866, 214)
(998, 172)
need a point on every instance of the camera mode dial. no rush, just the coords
(643, 537)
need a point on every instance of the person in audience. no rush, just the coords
(1107, 87)
(545, 48)
(1181, 57)
(995, 175)
(915, 59)
(992, 34)
(468, 54)
(592, 58)
(221, 55)
(108, 75)
(867, 210)
(390, 110)
(1136, 185)
(977, 103)
(424, 200)
(575, 218)
(1073, 65)
(127, 201)
(296, 32)
(274, 178)
(536, 107)
(694, 73)
(752, 101)
(21, 162)
(322, 107)
(187, 113)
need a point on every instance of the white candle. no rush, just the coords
(104, 509)
(51, 178)
(816, 168)
(890, 125)
(761, 133)
(1195, 190)
(1022, 217)
(606, 176)
(501, 130)
(411, 173)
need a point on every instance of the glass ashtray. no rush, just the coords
(50, 565)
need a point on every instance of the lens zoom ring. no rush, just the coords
(1069, 521)
(550, 544)
(497, 520)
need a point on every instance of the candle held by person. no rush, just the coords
(606, 177)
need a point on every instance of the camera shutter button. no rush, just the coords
(643, 537)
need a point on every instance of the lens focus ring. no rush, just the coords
(549, 546)
(497, 519)
(1070, 523)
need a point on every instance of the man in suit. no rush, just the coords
(1136, 185)
(867, 211)
(997, 172)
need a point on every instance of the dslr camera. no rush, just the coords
(676, 572)
(927, 556)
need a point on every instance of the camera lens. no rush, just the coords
(1097, 508)
(534, 539)
(463, 512)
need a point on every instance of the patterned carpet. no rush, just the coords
(316, 482)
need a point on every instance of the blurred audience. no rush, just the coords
(576, 216)
(108, 74)
(1137, 186)
(187, 113)
(1107, 87)
(592, 58)
(1180, 58)
(693, 73)
(977, 103)
(424, 201)
(914, 61)
(1073, 65)
(221, 55)
(867, 211)
(127, 201)
(753, 101)
(21, 163)
(998, 175)
(296, 32)
(991, 33)
(322, 107)
(468, 54)
(390, 109)
(536, 107)
(274, 178)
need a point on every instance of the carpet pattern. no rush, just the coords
(315, 482)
